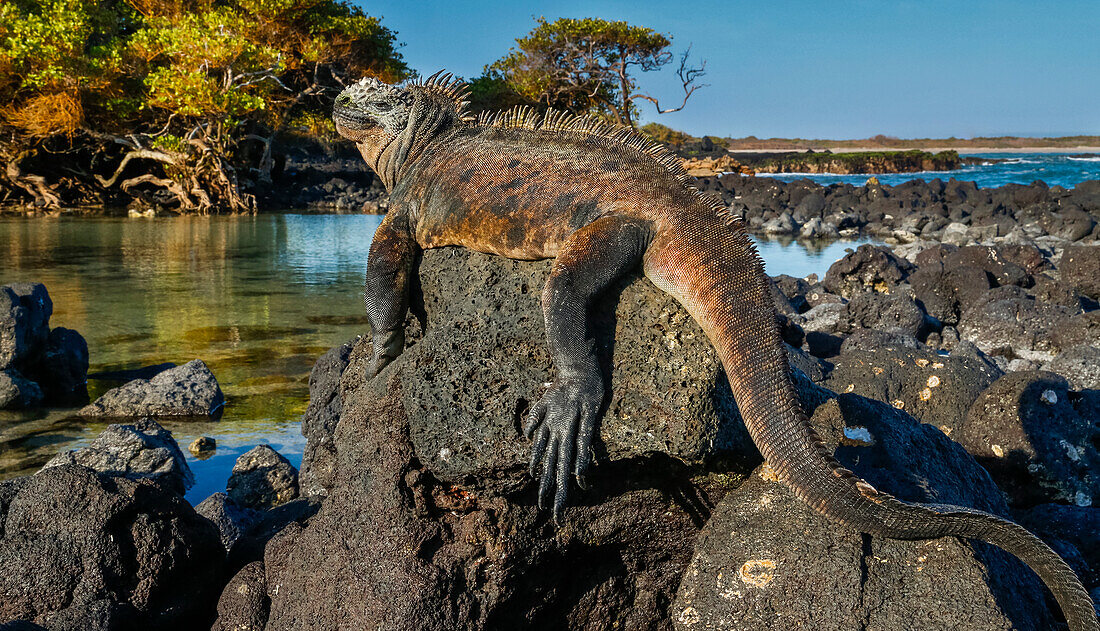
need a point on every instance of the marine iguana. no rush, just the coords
(602, 200)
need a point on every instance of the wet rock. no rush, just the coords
(816, 228)
(84, 550)
(262, 478)
(62, 367)
(142, 450)
(232, 521)
(203, 446)
(766, 556)
(17, 392)
(1080, 267)
(869, 267)
(25, 310)
(187, 390)
(1026, 431)
(319, 420)
(1080, 365)
(781, 225)
(935, 389)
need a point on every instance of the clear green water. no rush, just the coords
(257, 298)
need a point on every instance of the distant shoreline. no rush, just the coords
(960, 150)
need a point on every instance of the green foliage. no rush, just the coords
(665, 134)
(580, 65)
(141, 63)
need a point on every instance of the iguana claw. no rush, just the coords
(562, 424)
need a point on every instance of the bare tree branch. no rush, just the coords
(688, 76)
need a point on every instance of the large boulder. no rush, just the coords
(25, 310)
(84, 550)
(765, 558)
(187, 390)
(262, 478)
(1026, 429)
(670, 394)
(62, 367)
(142, 450)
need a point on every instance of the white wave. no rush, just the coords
(1096, 159)
(799, 174)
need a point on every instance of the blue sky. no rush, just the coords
(820, 69)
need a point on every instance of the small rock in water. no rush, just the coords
(142, 450)
(187, 390)
(202, 444)
(262, 478)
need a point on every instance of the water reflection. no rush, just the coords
(257, 298)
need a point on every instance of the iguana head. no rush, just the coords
(391, 125)
(371, 109)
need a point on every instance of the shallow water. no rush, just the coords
(1062, 169)
(257, 298)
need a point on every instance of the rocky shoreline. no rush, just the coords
(911, 161)
(958, 365)
(954, 212)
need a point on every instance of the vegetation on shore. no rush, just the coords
(186, 104)
(583, 66)
(171, 102)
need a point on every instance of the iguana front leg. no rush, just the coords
(389, 267)
(563, 422)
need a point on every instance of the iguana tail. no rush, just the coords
(714, 271)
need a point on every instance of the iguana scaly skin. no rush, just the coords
(601, 200)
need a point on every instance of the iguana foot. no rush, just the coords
(562, 424)
(388, 345)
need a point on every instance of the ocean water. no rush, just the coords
(257, 298)
(1056, 169)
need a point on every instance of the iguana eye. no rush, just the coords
(381, 106)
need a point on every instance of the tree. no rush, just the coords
(195, 91)
(588, 65)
